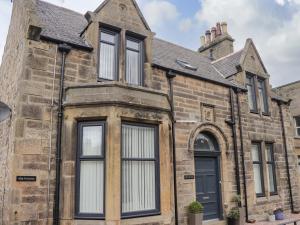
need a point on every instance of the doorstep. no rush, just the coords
(289, 217)
(214, 222)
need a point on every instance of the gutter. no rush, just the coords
(170, 76)
(64, 49)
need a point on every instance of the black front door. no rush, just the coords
(207, 186)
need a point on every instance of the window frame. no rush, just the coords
(297, 126)
(252, 84)
(263, 101)
(146, 213)
(141, 51)
(260, 162)
(79, 158)
(111, 31)
(273, 163)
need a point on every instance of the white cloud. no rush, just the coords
(280, 2)
(185, 25)
(159, 12)
(5, 13)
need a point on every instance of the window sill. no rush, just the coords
(297, 137)
(140, 214)
(89, 218)
(254, 112)
(266, 114)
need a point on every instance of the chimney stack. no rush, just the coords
(217, 43)
(207, 37)
(213, 33)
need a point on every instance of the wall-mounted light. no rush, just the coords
(5, 111)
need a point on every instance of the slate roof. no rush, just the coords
(228, 64)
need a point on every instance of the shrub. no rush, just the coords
(236, 199)
(195, 207)
(234, 213)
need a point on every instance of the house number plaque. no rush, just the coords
(26, 178)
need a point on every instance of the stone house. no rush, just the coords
(110, 125)
(292, 91)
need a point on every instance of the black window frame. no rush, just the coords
(273, 163)
(141, 51)
(156, 211)
(262, 82)
(116, 33)
(260, 162)
(297, 126)
(79, 158)
(253, 88)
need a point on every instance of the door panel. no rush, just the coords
(207, 186)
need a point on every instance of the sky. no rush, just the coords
(274, 26)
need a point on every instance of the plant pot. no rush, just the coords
(271, 218)
(279, 215)
(195, 219)
(242, 216)
(231, 221)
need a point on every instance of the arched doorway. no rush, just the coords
(207, 173)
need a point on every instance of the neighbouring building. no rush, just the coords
(292, 91)
(110, 125)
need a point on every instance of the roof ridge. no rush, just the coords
(226, 56)
(291, 83)
(61, 7)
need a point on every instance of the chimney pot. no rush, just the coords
(224, 28)
(202, 39)
(219, 32)
(207, 37)
(213, 33)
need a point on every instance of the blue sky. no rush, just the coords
(274, 25)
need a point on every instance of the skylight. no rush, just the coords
(186, 65)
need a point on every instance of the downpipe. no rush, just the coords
(64, 49)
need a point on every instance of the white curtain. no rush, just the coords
(257, 169)
(107, 61)
(91, 187)
(138, 182)
(132, 67)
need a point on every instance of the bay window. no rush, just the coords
(270, 161)
(257, 169)
(251, 93)
(108, 55)
(263, 96)
(90, 170)
(297, 123)
(134, 61)
(140, 170)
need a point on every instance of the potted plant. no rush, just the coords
(233, 217)
(271, 216)
(195, 211)
(237, 200)
(279, 215)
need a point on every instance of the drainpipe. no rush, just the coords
(170, 76)
(242, 154)
(64, 49)
(232, 123)
(286, 156)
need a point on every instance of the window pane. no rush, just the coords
(255, 153)
(91, 187)
(92, 141)
(269, 153)
(133, 45)
(108, 37)
(107, 61)
(132, 67)
(138, 186)
(297, 119)
(138, 142)
(262, 95)
(271, 178)
(298, 131)
(257, 179)
(251, 97)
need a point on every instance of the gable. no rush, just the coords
(251, 60)
(122, 13)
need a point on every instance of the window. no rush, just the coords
(297, 123)
(140, 170)
(258, 169)
(108, 55)
(251, 93)
(134, 61)
(263, 96)
(271, 169)
(90, 170)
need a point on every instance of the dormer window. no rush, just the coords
(261, 85)
(108, 54)
(134, 60)
(251, 93)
